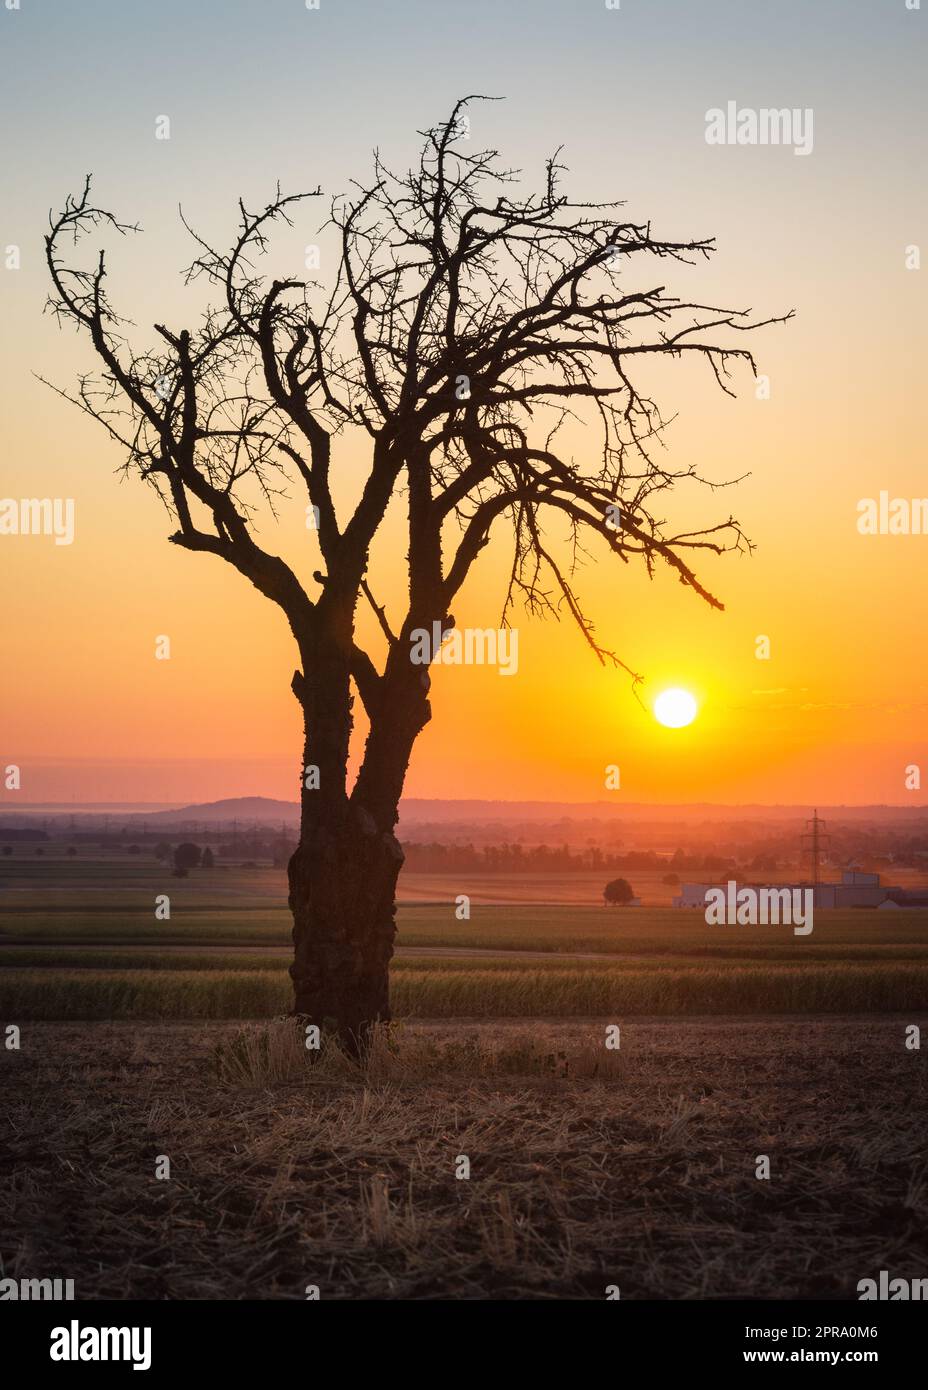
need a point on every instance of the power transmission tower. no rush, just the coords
(816, 837)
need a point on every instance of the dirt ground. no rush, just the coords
(645, 1179)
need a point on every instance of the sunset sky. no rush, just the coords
(282, 93)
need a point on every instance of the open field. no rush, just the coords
(56, 880)
(643, 1176)
(111, 899)
(101, 954)
(540, 927)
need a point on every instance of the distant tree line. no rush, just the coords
(517, 858)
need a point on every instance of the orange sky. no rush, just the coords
(835, 715)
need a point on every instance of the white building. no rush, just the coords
(856, 889)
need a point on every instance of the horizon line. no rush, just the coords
(10, 802)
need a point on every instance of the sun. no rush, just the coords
(675, 708)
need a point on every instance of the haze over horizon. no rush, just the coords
(446, 807)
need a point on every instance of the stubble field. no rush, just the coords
(587, 1170)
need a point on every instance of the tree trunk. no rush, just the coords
(343, 899)
(344, 872)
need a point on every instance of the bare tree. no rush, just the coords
(466, 326)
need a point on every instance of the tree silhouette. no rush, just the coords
(187, 855)
(465, 326)
(618, 891)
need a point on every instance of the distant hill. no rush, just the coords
(247, 809)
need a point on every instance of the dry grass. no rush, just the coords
(264, 1053)
(284, 1177)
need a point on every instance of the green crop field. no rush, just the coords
(471, 989)
(80, 940)
(530, 927)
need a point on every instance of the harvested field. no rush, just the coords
(638, 1172)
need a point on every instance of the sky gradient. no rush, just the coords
(260, 93)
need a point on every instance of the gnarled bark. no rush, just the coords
(344, 872)
(343, 899)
